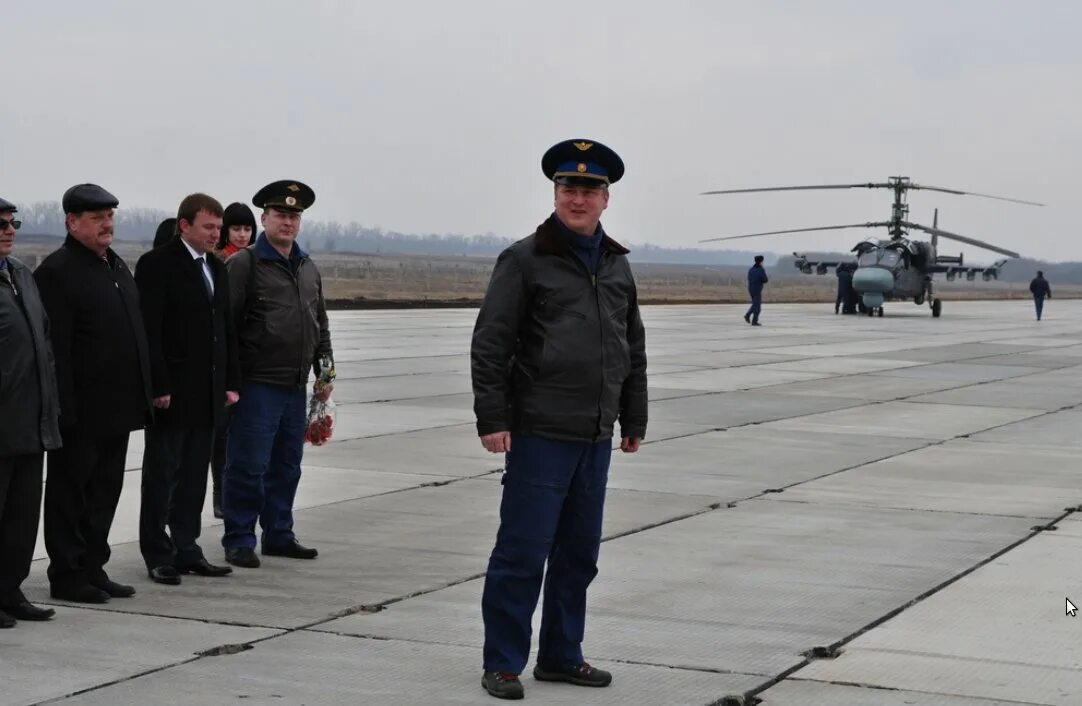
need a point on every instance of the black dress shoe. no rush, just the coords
(28, 611)
(293, 550)
(204, 568)
(6, 621)
(242, 556)
(114, 589)
(79, 594)
(579, 674)
(502, 685)
(165, 575)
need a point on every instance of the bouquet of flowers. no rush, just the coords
(321, 407)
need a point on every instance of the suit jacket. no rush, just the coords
(193, 349)
(102, 368)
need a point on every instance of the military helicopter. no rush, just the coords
(897, 268)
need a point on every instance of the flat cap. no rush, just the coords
(285, 195)
(6, 205)
(87, 197)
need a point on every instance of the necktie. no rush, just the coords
(208, 278)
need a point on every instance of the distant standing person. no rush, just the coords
(103, 375)
(756, 279)
(281, 320)
(238, 232)
(558, 358)
(29, 408)
(1041, 290)
(845, 286)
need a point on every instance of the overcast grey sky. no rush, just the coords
(432, 116)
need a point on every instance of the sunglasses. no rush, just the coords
(14, 224)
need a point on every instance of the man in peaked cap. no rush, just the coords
(29, 408)
(558, 357)
(277, 300)
(103, 374)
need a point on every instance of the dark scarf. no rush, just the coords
(586, 247)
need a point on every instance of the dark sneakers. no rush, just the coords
(579, 675)
(502, 685)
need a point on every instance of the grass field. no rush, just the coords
(387, 280)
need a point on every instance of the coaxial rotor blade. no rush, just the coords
(797, 230)
(797, 188)
(972, 193)
(961, 239)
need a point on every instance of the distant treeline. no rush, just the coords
(47, 218)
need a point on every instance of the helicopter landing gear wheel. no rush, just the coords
(879, 312)
(937, 308)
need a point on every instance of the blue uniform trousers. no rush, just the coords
(263, 465)
(553, 502)
(1038, 301)
(756, 305)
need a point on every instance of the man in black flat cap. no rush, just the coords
(558, 357)
(29, 409)
(103, 375)
(283, 336)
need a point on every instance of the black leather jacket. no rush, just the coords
(280, 315)
(29, 402)
(559, 353)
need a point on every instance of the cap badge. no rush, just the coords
(294, 188)
(290, 201)
(582, 168)
(583, 146)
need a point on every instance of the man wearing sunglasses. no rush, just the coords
(30, 409)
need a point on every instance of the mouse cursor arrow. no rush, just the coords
(1071, 610)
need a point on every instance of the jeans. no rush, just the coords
(263, 465)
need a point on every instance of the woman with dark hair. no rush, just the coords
(166, 230)
(238, 230)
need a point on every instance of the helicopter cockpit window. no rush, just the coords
(868, 258)
(890, 258)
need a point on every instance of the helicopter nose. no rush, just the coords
(875, 280)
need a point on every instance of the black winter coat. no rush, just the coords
(1040, 287)
(193, 347)
(558, 353)
(102, 369)
(29, 406)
